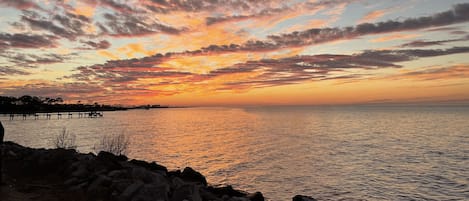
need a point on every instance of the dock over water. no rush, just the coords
(55, 115)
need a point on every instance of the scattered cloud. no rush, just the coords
(299, 69)
(128, 25)
(54, 89)
(108, 54)
(10, 71)
(212, 45)
(166, 6)
(19, 4)
(424, 43)
(374, 15)
(70, 26)
(26, 41)
(316, 36)
(396, 36)
(256, 74)
(117, 6)
(23, 60)
(103, 44)
(435, 73)
(231, 18)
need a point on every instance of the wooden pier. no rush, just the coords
(48, 115)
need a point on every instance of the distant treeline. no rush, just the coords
(33, 104)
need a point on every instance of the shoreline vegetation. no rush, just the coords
(65, 174)
(33, 104)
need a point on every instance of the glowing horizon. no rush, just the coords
(202, 52)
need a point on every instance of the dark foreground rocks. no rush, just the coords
(110, 177)
(116, 178)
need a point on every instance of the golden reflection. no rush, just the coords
(197, 134)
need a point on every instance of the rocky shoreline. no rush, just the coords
(64, 174)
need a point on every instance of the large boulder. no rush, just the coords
(303, 198)
(130, 191)
(119, 186)
(147, 176)
(108, 161)
(99, 188)
(257, 196)
(81, 171)
(174, 173)
(190, 174)
(151, 166)
(226, 190)
(152, 192)
(119, 174)
(187, 192)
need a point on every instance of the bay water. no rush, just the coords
(329, 152)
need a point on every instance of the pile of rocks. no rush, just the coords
(109, 177)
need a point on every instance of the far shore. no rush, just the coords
(81, 110)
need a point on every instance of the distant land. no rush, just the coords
(34, 104)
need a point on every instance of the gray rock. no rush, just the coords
(177, 182)
(238, 199)
(81, 172)
(74, 166)
(80, 186)
(187, 192)
(71, 181)
(152, 192)
(153, 166)
(86, 157)
(101, 180)
(140, 173)
(131, 190)
(119, 185)
(190, 174)
(11, 154)
(98, 192)
(303, 198)
(206, 195)
(118, 174)
(257, 196)
(226, 190)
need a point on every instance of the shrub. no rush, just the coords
(65, 140)
(116, 144)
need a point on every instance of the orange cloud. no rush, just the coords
(203, 64)
(84, 10)
(108, 54)
(396, 36)
(460, 71)
(310, 25)
(135, 48)
(198, 34)
(372, 16)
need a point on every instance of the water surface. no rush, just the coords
(330, 153)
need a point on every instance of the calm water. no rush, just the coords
(331, 153)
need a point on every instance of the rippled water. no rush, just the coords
(331, 153)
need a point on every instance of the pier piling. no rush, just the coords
(48, 116)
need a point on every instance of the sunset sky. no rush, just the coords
(234, 52)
